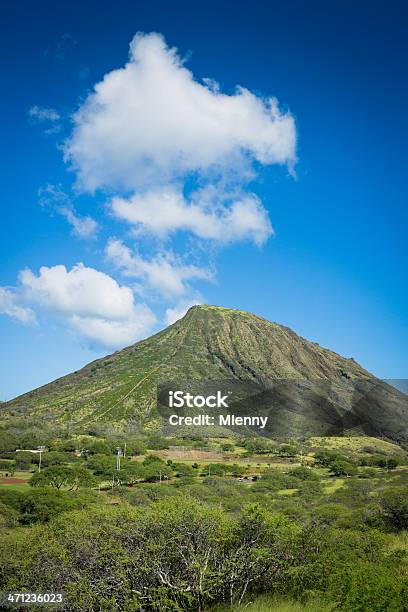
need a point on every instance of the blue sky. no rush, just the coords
(168, 193)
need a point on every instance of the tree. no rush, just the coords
(155, 471)
(236, 470)
(43, 504)
(8, 516)
(23, 461)
(63, 476)
(153, 459)
(132, 473)
(57, 458)
(303, 473)
(288, 450)
(394, 507)
(81, 478)
(339, 467)
(102, 465)
(157, 442)
(392, 463)
(56, 477)
(136, 447)
(258, 446)
(99, 447)
(325, 458)
(214, 469)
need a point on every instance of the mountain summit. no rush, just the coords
(214, 343)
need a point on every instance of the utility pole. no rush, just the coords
(41, 449)
(124, 451)
(118, 456)
(160, 476)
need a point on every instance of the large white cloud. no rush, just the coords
(207, 215)
(165, 274)
(92, 303)
(152, 121)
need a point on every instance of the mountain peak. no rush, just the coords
(208, 343)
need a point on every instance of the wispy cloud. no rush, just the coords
(41, 114)
(165, 273)
(48, 118)
(53, 198)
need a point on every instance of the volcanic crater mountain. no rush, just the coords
(304, 388)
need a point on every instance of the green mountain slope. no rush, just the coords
(211, 343)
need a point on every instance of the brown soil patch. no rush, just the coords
(12, 481)
(188, 454)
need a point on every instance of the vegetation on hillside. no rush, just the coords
(297, 525)
(212, 343)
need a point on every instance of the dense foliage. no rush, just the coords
(323, 527)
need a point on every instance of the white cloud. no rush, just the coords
(115, 333)
(42, 114)
(174, 314)
(152, 121)
(8, 306)
(209, 215)
(83, 227)
(48, 118)
(54, 198)
(92, 303)
(165, 273)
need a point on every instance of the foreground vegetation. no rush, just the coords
(320, 524)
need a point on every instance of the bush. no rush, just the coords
(394, 507)
(364, 587)
(23, 460)
(303, 473)
(43, 504)
(340, 467)
(63, 476)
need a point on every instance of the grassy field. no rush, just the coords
(266, 603)
(333, 485)
(355, 444)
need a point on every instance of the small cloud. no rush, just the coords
(42, 114)
(165, 273)
(55, 199)
(174, 314)
(9, 306)
(49, 118)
